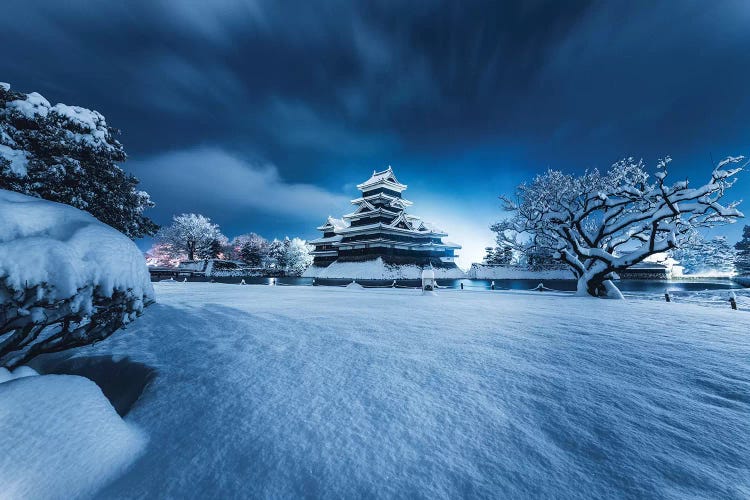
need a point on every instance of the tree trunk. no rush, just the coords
(596, 285)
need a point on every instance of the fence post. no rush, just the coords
(462, 285)
(733, 300)
(492, 285)
(666, 296)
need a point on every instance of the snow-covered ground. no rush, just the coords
(716, 298)
(281, 392)
(60, 437)
(377, 270)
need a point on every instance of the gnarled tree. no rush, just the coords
(602, 223)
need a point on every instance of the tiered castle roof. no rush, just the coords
(380, 227)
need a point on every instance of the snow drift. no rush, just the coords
(60, 437)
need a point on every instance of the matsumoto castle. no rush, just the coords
(381, 227)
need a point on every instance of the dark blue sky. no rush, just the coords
(263, 115)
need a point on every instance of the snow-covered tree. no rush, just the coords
(297, 256)
(706, 256)
(601, 223)
(253, 249)
(69, 154)
(218, 247)
(500, 255)
(742, 260)
(161, 256)
(191, 234)
(66, 279)
(291, 255)
(540, 258)
(277, 252)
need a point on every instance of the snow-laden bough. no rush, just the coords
(66, 279)
(602, 223)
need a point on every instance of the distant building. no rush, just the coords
(381, 227)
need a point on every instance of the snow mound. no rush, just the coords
(378, 270)
(485, 272)
(20, 372)
(65, 249)
(355, 286)
(60, 438)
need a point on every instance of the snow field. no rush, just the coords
(282, 392)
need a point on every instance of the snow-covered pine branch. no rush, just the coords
(66, 279)
(601, 223)
(69, 154)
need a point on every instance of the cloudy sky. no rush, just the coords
(264, 115)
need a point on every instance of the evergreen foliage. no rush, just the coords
(706, 256)
(253, 249)
(69, 154)
(742, 260)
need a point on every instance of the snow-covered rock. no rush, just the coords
(377, 270)
(60, 437)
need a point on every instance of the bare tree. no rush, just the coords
(599, 224)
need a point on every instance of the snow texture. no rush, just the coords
(377, 270)
(66, 249)
(60, 437)
(289, 392)
(18, 159)
(485, 272)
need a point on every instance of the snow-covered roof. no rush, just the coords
(385, 178)
(330, 239)
(333, 223)
(383, 196)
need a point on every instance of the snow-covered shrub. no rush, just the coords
(66, 279)
(602, 223)
(69, 154)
